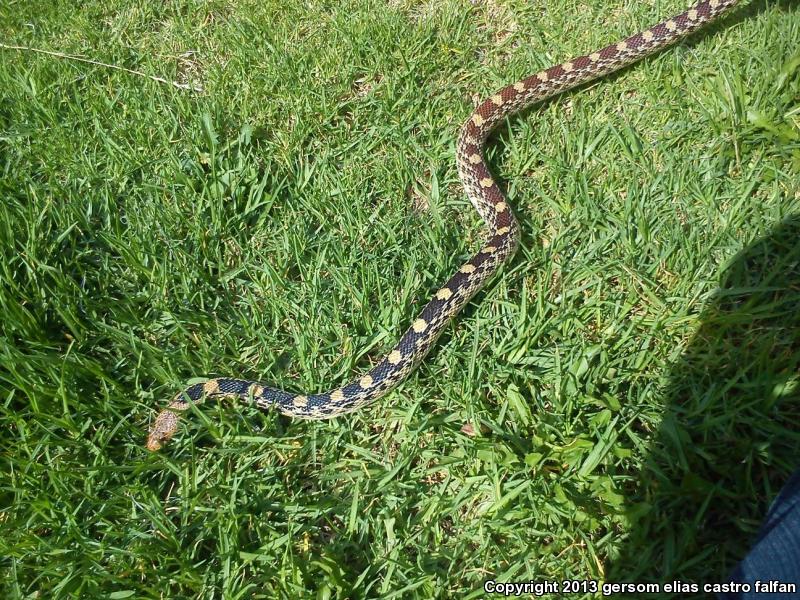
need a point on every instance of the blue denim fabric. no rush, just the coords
(775, 556)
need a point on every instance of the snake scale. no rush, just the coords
(487, 198)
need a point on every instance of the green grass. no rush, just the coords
(631, 380)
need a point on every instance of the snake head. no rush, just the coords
(165, 425)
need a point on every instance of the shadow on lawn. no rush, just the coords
(728, 440)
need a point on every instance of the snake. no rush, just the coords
(501, 242)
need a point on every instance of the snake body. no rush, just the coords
(487, 198)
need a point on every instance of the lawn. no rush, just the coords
(621, 404)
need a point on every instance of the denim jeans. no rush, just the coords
(775, 556)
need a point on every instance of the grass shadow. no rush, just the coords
(728, 440)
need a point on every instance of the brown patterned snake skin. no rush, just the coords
(488, 200)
